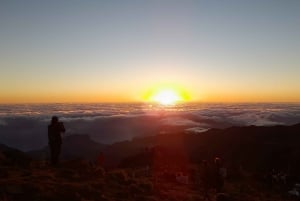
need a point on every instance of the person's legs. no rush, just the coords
(55, 151)
(52, 154)
(206, 192)
(219, 184)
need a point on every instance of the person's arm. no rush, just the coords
(62, 127)
(51, 138)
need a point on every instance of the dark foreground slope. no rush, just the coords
(145, 168)
(78, 181)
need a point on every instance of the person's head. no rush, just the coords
(218, 161)
(54, 120)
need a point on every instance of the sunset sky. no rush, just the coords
(118, 51)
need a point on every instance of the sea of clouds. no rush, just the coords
(25, 126)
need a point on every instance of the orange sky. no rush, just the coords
(106, 51)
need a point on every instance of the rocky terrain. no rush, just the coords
(163, 167)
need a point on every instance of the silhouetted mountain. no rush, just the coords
(11, 156)
(257, 148)
(73, 147)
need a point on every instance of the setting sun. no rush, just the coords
(166, 94)
(167, 97)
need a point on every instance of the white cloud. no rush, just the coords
(196, 129)
(178, 121)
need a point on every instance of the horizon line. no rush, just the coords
(147, 102)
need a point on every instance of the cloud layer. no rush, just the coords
(25, 126)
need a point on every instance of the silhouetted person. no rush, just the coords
(206, 179)
(219, 174)
(54, 136)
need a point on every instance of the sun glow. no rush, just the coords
(169, 95)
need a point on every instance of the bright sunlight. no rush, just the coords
(166, 95)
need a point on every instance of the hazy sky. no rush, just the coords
(77, 51)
